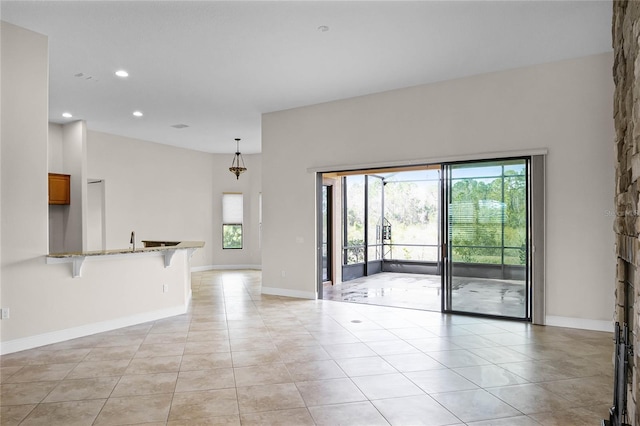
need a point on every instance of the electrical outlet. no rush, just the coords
(4, 313)
(284, 274)
(165, 288)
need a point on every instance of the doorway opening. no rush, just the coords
(451, 237)
(96, 216)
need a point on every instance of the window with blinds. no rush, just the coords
(232, 215)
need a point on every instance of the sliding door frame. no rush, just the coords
(536, 221)
(534, 246)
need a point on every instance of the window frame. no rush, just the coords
(233, 222)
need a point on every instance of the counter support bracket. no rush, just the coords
(168, 255)
(77, 266)
(190, 252)
(75, 261)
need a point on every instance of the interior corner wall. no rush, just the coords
(564, 107)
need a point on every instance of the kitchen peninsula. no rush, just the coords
(110, 289)
(166, 248)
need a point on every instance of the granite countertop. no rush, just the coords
(180, 245)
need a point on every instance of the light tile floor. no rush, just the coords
(240, 357)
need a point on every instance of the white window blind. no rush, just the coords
(232, 212)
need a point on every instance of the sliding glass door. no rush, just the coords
(353, 219)
(363, 202)
(486, 230)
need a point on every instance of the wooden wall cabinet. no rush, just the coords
(59, 189)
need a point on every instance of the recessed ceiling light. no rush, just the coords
(122, 73)
(323, 28)
(67, 115)
(137, 113)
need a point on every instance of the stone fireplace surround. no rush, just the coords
(626, 75)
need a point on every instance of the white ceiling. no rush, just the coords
(217, 66)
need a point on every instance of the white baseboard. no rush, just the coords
(86, 330)
(201, 268)
(225, 267)
(289, 293)
(581, 323)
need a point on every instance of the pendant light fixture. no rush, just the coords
(237, 166)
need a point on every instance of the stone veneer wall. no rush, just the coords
(626, 74)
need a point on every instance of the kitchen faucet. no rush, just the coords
(133, 240)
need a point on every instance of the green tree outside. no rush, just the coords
(232, 236)
(487, 215)
(487, 218)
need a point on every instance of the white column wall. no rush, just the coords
(74, 160)
(564, 107)
(23, 139)
(57, 213)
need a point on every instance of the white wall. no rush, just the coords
(23, 141)
(249, 184)
(95, 217)
(160, 192)
(565, 107)
(167, 193)
(55, 154)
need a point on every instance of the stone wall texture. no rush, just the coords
(626, 75)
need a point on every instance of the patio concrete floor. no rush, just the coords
(421, 291)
